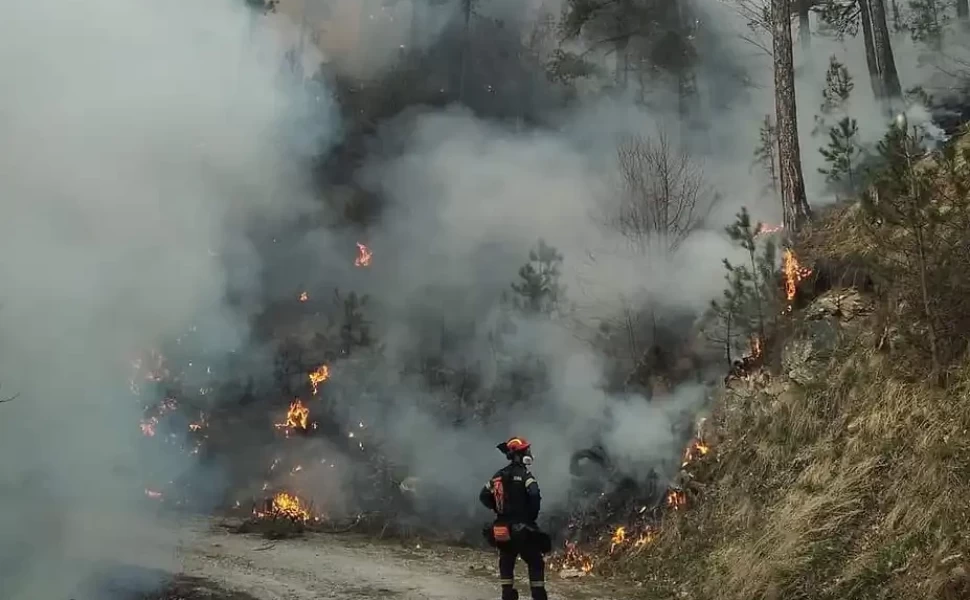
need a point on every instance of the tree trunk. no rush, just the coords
(466, 8)
(872, 61)
(963, 12)
(927, 305)
(417, 23)
(884, 50)
(804, 26)
(622, 62)
(794, 203)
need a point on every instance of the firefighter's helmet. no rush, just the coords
(517, 447)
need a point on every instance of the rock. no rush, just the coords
(844, 305)
(571, 573)
(805, 356)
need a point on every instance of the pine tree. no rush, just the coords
(835, 95)
(842, 155)
(539, 290)
(903, 197)
(751, 298)
(766, 155)
(927, 23)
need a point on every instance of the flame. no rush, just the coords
(695, 450)
(318, 376)
(573, 558)
(363, 256)
(287, 506)
(304, 296)
(148, 425)
(153, 494)
(649, 534)
(619, 536)
(200, 424)
(297, 417)
(676, 499)
(794, 273)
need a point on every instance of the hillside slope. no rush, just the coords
(845, 473)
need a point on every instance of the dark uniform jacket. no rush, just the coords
(513, 494)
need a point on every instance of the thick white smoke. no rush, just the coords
(138, 140)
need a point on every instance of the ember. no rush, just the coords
(304, 296)
(363, 256)
(153, 494)
(318, 376)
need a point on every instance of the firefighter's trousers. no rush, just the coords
(508, 553)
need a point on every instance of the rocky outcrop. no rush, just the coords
(823, 324)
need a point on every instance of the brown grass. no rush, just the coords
(861, 490)
(857, 488)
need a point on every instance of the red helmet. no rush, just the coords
(514, 445)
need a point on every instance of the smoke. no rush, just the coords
(140, 141)
(144, 144)
(467, 197)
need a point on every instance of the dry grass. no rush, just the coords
(856, 488)
(860, 490)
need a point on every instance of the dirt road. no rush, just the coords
(351, 568)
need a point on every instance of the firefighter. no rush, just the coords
(513, 494)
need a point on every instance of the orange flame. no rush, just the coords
(297, 417)
(363, 256)
(676, 499)
(200, 424)
(287, 506)
(573, 558)
(318, 376)
(619, 536)
(304, 296)
(695, 450)
(794, 273)
(649, 534)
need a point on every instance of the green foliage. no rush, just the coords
(838, 18)
(538, 290)
(565, 67)
(751, 298)
(766, 155)
(838, 86)
(927, 22)
(835, 95)
(843, 154)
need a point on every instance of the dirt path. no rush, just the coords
(351, 568)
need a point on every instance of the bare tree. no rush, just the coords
(664, 194)
(14, 397)
(794, 203)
